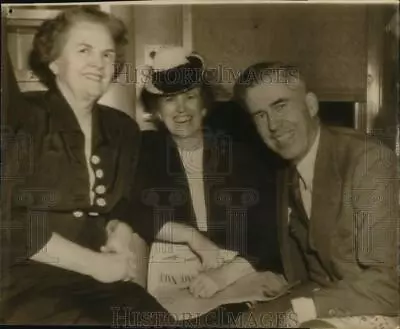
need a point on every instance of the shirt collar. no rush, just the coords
(306, 166)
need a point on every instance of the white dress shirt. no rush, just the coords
(306, 172)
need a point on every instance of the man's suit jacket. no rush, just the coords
(240, 195)
(353, 226)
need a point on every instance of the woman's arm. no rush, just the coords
(208, 283)
(231, 272)
(15, 109)
(210, 253)
(65, 254)
(177, 233)
(104, 267)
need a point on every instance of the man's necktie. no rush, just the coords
(295, 199)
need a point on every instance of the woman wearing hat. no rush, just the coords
(203, 177)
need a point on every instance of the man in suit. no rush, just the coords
(339, 221)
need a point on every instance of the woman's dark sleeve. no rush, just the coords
(14, 107)
(132, 140)
(148, 221)
(22, 233)
(251, 174)
(133, 208)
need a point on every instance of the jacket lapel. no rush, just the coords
(106, 143)
(63, 123)
(326, 197)
(173, 161)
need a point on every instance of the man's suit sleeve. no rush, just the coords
(371, 289)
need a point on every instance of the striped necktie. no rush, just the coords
(295, 199)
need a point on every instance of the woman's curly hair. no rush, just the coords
(47, 43)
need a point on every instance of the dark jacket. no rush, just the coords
(45, 177)
(239, 194)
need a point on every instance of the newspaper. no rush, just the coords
(171, 269)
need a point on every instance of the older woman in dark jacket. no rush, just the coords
(65, 180)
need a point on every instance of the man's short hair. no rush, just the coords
(266, 73)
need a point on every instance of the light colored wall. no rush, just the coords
(154, 25)
(121, 94)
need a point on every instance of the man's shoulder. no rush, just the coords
(347, 134)
(351, 146)
(350, 139)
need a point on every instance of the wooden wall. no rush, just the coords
(327, 41)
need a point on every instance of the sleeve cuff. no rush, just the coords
(304, 308)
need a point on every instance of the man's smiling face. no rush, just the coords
(284, 116)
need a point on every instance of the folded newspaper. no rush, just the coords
(173, 266)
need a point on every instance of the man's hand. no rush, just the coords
(272, 284)
(304, 308)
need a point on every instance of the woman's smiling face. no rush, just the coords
(183, 113)
(85, 65)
